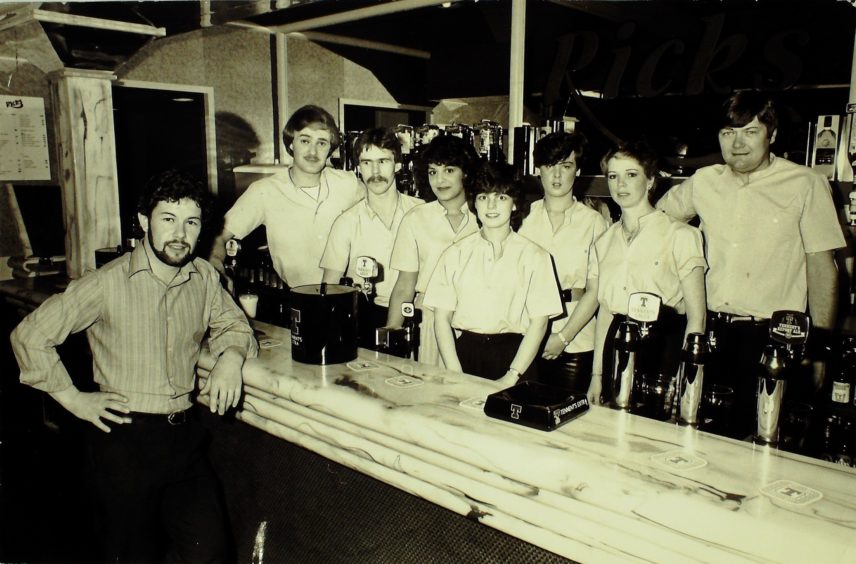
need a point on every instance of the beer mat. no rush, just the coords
(791, 492)
(404, 381)
(268, 343)
(678, 460)
(536, 405)
(361, 365)
(473, 403)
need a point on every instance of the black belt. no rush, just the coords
(730, 318)
(573, 294)
(175, 418)
(487, 338)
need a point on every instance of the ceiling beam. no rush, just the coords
(382, 9)
(14, 15)
(320, 37)
(98, 23)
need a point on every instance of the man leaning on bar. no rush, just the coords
(145, 315)
(770, 229)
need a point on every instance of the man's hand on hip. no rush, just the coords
(94, 406)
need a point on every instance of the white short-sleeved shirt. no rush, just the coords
(569, 246)
(490, 295)
(297, 224)
(663, 252)
(359, 231)
(422, 237)
(757, 233)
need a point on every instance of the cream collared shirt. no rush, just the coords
(663, 252)
(423, 235)
(297, 224)
(494, 291)
(569, 246)
(359, 231)
(757, 233)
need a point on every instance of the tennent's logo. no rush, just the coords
(515, 411)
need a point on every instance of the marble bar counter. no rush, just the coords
(606, 487)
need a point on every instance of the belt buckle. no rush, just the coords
(176, 418)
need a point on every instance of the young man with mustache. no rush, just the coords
(298, 206)
(145, 315)
(369, 227)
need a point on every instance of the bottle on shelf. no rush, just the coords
(844, 376)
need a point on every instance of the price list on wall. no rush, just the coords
(23, 139)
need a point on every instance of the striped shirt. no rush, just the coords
(145, 336)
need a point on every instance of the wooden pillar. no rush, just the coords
(83, 121)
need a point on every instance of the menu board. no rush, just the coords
(23, 139)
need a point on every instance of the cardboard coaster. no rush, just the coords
(679, 460)
(791, 492)
(404, 381)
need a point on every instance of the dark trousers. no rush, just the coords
(659, 352)
(156, 495)
(569, 370)
(734, 362)
(490, 356)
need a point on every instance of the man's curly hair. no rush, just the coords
(172, 186)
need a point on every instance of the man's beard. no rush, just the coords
(165, 258)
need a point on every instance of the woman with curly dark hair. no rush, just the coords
(494, 291)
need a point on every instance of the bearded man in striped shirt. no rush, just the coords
(145, 315)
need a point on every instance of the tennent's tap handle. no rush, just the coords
(790, 329)
(644, 309)
(367, 269)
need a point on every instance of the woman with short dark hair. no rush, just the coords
(494, 291)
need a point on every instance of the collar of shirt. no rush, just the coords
(139, 262)
(373, 214)
(464, 209)
(296, 192)
(753, 176)
(498, 250)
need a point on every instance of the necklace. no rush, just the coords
(629, 234)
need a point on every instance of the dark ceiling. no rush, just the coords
(620, 48)
(660, 58)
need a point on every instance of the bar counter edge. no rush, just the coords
(608, 486)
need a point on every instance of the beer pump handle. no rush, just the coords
(367, 269)
(790, 329)
(643, 308)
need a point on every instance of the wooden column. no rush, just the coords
(83, 120)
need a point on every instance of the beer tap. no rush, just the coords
(691, 378)
(643, 309)
(230, 265)
(788, 334)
